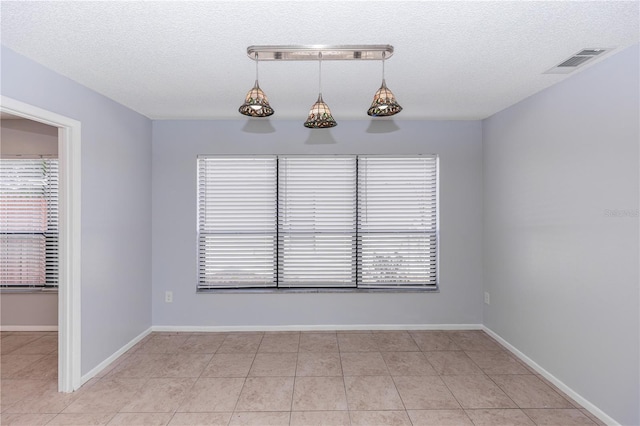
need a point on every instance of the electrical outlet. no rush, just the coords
(168, 297)
(487, 298)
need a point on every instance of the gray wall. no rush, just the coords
(116, 203)
(561, 231)
(26, 137)
(175, 147)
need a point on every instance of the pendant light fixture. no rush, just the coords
(320, 115)
(256, 103)
(384, 103)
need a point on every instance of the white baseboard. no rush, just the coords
(104, 364)
(553, 379)
(28, 328)
(326, 327)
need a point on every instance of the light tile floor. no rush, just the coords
(287, 378)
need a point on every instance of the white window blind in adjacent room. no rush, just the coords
(237, 222)
(317, 221)
(397, 229)
(28, 222)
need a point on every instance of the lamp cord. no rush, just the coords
(256, 66)
(383, 57)
(320, 73)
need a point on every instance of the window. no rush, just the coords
(316, 221)
(397, 238)
(237, 218)
(29, 223)
(345, 222)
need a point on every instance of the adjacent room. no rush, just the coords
(339, 213)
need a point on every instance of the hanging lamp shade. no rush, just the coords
(256, 103)
(384, 103)
(320, 116)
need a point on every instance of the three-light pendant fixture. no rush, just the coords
(256, 103)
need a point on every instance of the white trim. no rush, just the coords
(28, 328)
(327, 327)
(104, 364)
(69, 156)
(553, 379)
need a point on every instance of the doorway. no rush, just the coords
(69, 199)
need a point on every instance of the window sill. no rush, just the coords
(435, 289)
(6, 290)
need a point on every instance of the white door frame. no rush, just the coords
(69, 349)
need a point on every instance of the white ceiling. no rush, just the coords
(453, 60)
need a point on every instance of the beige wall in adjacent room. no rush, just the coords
(29, 309)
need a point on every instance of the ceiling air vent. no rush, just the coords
(590, 52)
(572, 63)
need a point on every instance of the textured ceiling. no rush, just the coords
(453, 60)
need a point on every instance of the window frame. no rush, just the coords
(435, 288)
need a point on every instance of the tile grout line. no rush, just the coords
(244, 383)
(295, 377)
(187, 391)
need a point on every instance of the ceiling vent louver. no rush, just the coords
(572, 63)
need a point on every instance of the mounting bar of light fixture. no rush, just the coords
(329, 52)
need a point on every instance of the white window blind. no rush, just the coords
(29, 222)
(397, 238)
(317, 221)
(237, 222)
